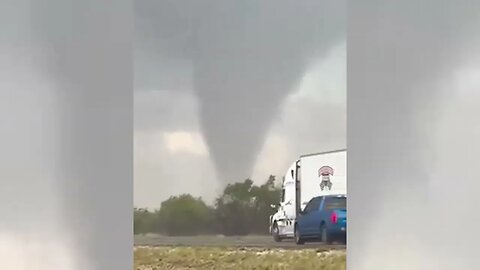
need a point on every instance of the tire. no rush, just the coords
(298, 239)
(276, 233)
(325, 237)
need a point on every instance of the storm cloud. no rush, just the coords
(241, 58)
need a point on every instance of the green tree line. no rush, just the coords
(243, 208)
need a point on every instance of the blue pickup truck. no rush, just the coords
(324, 218)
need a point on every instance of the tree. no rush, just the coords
(264, 196)
(144, 221)
(233, 208)
(244, 208)
(184, 215)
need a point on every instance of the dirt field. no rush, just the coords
(222, 241)
(203, 258)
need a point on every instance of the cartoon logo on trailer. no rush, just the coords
(325, 172)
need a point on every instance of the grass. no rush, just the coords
(182, 258)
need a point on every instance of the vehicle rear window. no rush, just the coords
(336, 203)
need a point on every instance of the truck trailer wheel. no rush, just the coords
(298, 239)
(276, 233)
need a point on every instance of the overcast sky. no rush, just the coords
(240, 100)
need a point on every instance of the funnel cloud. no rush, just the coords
(245, 58)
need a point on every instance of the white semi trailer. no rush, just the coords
(310, 176)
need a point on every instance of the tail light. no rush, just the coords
(334, 218)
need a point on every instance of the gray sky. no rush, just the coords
(219, 103)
